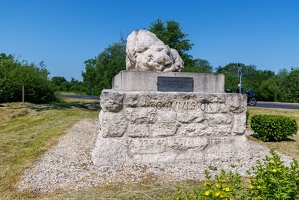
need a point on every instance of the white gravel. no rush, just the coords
(68, 166)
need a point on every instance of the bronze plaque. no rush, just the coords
(175, 84)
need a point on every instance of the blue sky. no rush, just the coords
(65, 33)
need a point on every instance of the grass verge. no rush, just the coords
(28, 130)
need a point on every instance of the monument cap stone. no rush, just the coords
(147, 81)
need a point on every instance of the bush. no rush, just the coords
(273, 180)
(227, 185)
(273, 127)
(15, 74)
(270, 179)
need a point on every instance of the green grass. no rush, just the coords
(28, 130)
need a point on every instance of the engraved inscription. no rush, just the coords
(225, 140)
(164, 129)
(142, 130)
(188, 143)
(154, 158)
(221, 155)
(160, 145)
(189, 105)
(141, 146)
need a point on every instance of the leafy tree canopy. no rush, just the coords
(171, 34)
(15, 74)
(101, 69)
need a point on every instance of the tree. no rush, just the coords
(101, 69)
(61, 83)
(34, 77)
(291, 85)
(258, 80)
(171, 34)
(200, 66)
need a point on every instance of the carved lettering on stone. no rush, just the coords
(138, 130)
(141, 115)
(193, 129)
(164, 129)
(220, 118)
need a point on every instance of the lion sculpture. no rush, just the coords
(145, 52)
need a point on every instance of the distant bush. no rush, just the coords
(273, 127)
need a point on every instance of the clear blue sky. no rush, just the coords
(65, 33)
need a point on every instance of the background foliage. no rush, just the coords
(15, 74)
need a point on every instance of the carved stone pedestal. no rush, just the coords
(153, 127)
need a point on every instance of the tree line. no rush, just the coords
(99, 71)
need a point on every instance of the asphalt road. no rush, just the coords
(294, 106)
(80, 97)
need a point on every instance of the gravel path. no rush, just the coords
(68, 166)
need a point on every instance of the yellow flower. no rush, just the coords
(274, 170)
(226, 189)
(217, 185)
(207, 193)
(217, 194)
(259, 197)
(206, 184)
(277, 162)
(251, 187)
(260, 180)
(259, 187)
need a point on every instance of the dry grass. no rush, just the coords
(28, 130)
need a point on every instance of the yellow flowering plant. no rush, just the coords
(273, 180)
(226, 186)
(269, 179)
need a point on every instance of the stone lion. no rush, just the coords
(145, 52)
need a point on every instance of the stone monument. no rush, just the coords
(156, 115)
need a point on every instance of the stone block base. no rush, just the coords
(142, 128)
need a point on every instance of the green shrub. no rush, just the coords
(273, 127)
(269, 179)
(227, 185)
